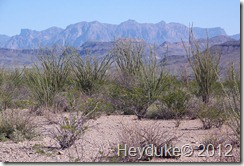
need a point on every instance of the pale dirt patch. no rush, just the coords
(101, 136)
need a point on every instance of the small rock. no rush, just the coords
(60, 153)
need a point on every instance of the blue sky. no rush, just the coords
(42, 14)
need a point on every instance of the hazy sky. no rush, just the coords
(42, 14)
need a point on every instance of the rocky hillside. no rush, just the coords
(3, 40)
(227, 47)
(169, 48)
(236, 36)
(230, 53)
(10, 58)
(77, 34)
(30, 39)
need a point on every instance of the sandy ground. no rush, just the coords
(102, 135)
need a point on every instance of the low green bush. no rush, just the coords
(73, 100)
(177, 101)
(211, 115)
(159, 110)
(17, 125)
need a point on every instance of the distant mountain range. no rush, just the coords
(228, 47)
(98, 39)
(76, 35)
(3, 40)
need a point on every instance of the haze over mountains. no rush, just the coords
(77, 34)
(98, 39)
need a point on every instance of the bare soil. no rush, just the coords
(102, 136)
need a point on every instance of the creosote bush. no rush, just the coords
(176, 101)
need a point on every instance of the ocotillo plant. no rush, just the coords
(89, 72)
(233, 104)
(49, 75)
(128, 57)
(10, 81)
(147, 77)
(205, 66)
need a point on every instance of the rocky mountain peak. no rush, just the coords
(76, 34)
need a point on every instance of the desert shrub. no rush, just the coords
(117, 96)
(10, 81)
(139, 136)
(17, 125)
(232, 107)
(68, 130)
(211, 115)
(73, 100)
(136, 100)
(213, 140)
(193, 88)
(99, 106)
(70, 127)
(177, 101)
(48, 76)
(159, 110)
(143, 78)
(219, 142)
(205, 66)
(192, 107)
(90, 72)
(217, 90)
(172, 104)
(127, 100)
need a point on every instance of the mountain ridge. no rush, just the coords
(77, 34)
